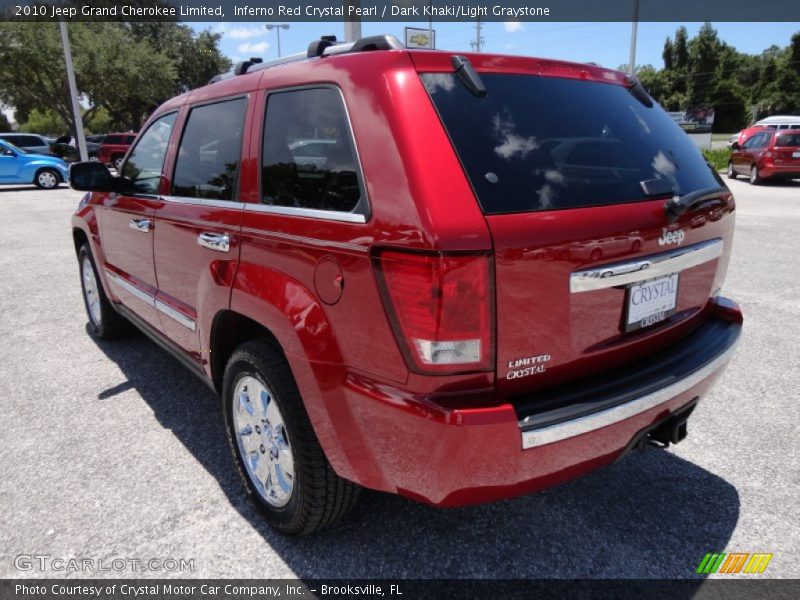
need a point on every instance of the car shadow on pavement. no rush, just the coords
(651, 515)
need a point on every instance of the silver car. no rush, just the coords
(31, 142)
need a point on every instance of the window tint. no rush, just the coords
(309, 160)
(210, 151)
(129, 139)
(26, 141)
(112, 139)
(541, 143)
(788, 140)
(146, 160)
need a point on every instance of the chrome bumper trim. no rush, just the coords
(610, 416)
(175, 315)
(623, 273)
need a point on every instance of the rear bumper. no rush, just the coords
(400, 443)
(780, 171)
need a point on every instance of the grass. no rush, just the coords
(718, 158)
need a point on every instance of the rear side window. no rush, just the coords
(113, 139)
(788, 140)
(129, 139)
(27, 141)
(308, 156)
(210, 151)
(544, 143)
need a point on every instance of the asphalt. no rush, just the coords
(113, 450)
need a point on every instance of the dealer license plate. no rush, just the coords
(650, 302)
(796, 154)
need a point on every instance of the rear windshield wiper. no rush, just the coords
(677, 205)
(469, 76)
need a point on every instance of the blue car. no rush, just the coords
(20, 166)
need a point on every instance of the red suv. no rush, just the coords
(114, 147)
(768, 154)
(404, 309)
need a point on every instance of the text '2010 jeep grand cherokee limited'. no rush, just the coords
(455, 278)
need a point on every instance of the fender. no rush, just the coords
(85, 220)
(291, 312)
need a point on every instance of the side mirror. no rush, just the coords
(735, 146)
(94, 177)
(7, 152)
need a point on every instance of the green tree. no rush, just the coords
(124, 69)
(681, 55)
(668, 54)
(45, 122)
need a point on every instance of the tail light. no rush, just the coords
(441, 307)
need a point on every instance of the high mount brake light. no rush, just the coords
(441, 307)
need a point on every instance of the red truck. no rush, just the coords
(404, 308)
(114, 147)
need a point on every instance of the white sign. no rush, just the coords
(420, 38)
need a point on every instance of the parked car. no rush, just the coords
(20, 166)
(381, 317)
(769, 154)
(64, 147)
(114, 147)
(30, 142)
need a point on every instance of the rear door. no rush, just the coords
(787, 151)
(198, 224)
(127, 223)
(572, 176)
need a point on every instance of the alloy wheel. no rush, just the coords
(263, 441)
(91, 292)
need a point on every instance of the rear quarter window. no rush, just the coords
(112, 139)
(545, 143)
(788, 140)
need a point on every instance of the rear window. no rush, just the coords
(542, 143)
(788, 140)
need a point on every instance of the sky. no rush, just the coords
(607, 44)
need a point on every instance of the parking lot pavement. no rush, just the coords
(113, 450)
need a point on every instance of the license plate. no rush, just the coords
(796, 154)
(650, 302)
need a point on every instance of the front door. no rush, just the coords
(198, 224)
(127, 224)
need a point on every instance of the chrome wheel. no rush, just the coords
(730, 170)
(263, 441)
(118, 163)
(47, 179)
(91, 292)
(753, 174)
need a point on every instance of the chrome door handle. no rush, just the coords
(221, 242)
(142, 225)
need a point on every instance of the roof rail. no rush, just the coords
(325, 46)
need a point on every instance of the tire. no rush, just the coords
(47, 179)
(105, 323)
(117, 162)
(277, 440)
(731, 173)
(755, 178)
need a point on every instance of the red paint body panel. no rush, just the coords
(443, 439)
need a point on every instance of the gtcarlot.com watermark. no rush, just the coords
(58, 564)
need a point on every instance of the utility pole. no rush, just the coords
(476, 45)
(352, 29)
(80, 138)
(430, 27)
(277, 29)
(634, 28)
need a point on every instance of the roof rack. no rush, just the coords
(325, 46)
